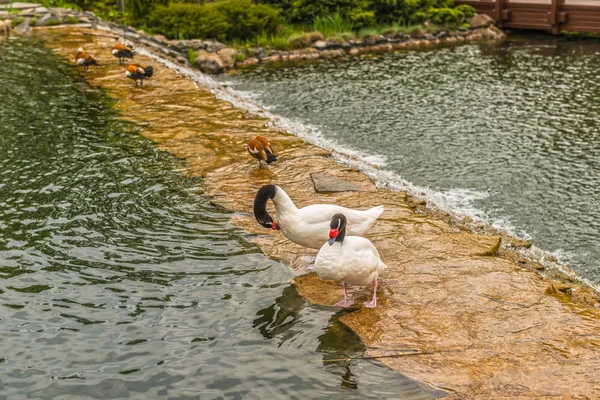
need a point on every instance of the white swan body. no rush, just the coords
(355, 261)
(350, 259)
(308, 226)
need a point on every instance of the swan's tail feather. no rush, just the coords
(381, 267)
(375, 212)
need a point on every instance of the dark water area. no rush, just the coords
(119, 279)
(507, 132)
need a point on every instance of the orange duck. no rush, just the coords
(139, 72)
(260, 148)
(85, 60)
(122, 51)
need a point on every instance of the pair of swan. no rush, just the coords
(351, 259)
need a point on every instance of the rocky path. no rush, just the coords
(455, 311)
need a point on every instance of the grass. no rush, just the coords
(53, 22)
(332, 25)
(192, 55)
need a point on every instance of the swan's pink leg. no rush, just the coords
(346, 302)
(372, 303)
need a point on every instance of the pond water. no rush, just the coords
(509, 133)
(119, 279)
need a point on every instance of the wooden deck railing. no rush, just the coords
(547, 15)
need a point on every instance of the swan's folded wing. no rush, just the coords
(319, 213)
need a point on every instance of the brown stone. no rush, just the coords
(210, 63)
(481, 20)
(227, 55)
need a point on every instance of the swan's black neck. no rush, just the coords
(260, 205)
(338, 221)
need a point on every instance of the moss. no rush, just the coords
(192, 55)
(53, 22)
(72, 20)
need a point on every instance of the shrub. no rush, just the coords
(247, 19)
(445, 16)
(188, 21)
(358, 12)
(140, 9)
(226, 20)
(467, 10)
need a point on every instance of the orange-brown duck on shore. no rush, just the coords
(85, 60)
(260, 148)
(122, 51)
(139, 72)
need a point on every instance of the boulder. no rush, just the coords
(213, 46)
(227, 55)
(272, 58)
(23, 28)
(320, 44)
(481, 20)
(160, 39)
(493, 32)
(210, 63)
(250, 61)
(44, 19)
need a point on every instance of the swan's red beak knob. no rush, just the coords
(274, 226)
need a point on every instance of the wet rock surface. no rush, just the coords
(475, 321)
(325, 183)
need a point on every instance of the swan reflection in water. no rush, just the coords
(289, 318)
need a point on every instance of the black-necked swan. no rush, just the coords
(308, 226)
(350, 259)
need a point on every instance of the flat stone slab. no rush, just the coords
(325, 183)
(20, 6)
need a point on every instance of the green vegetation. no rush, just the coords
(192, 55)
(279, 24)
(223, 20)
(52, 22)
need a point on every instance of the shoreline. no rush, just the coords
(426, 252)
(213, 57)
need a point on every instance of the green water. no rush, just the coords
(119, 279)
(509, 133)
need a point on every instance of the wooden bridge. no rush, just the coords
(546, 15)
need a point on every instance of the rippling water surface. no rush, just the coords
(507, 132)
(118, 279)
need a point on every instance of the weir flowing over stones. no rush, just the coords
(455, 311)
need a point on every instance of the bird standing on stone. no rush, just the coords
(307, 226)
(260, 148)
(350, 259)
(122, 51)
(85, 60)
(139, 72)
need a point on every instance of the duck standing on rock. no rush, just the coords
(260, 148)
(350, 259)
(308, 226)
(139, 72)
(122, 51)
(85, 60)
